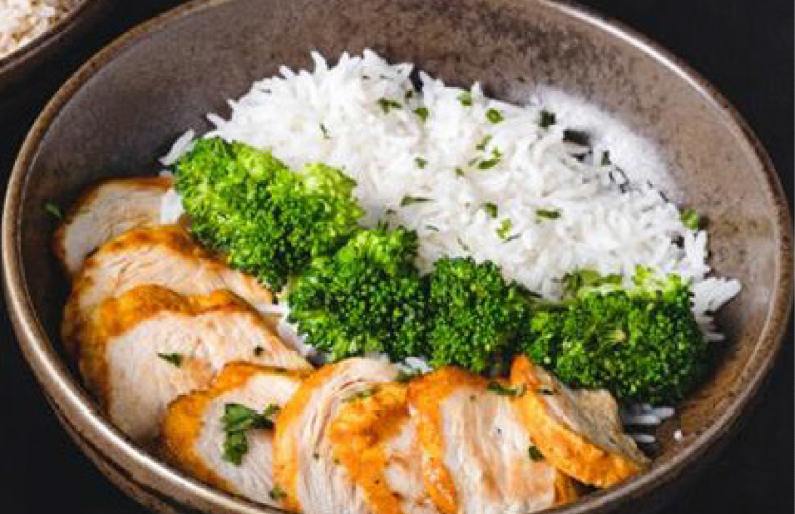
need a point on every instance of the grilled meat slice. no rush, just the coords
(477, 456)
(578, 431)
(105, 211)
(148, 346)
(194, 434)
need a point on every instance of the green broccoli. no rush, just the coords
(268, 220)
(368, 296)
(642, 343)
(476, 314)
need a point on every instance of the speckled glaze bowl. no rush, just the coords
(124, 107)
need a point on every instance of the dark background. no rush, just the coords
(744, 47)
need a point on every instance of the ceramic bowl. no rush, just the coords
(124, 107)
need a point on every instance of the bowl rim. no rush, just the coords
(63, 388)
(46, 39)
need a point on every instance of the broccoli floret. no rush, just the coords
(476, 314)
(268, 220)
(366, 297)
(642, 343)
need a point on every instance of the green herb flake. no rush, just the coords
(277, 493)
(459, 172)
(420, 162)
(578, 137)
(504, 229)
(491, 209)
(606, 158)
(175, 359)
(361, 395)
(236, 420)
(465, 98)
(409, 200)
(406, 376)
(324, 131)
(463, 245)
(534, 453)
(483, 142)
(496, 157)
(53, 210)
(387, 104)
(547, 119)
(502, 390)
(549, 214)
(494, 116)
(432, 228)
(258, 350)
(690, 219)
(422, 112)
(409, 94)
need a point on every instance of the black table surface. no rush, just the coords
(744, 47)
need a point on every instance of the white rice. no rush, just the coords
(610, 220)
(22, 21)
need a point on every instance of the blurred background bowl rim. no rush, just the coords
(46, 40)
(63, 388)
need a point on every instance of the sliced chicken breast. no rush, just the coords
(477, 456)
(165, 256)
(578, 431)
(308, 475)
(375, 441)
(194, 434)
(150, 345)
(105, 211)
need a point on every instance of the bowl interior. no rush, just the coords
(127, 106)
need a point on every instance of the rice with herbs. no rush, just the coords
(540, 189)
(22, 21)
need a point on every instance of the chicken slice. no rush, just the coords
(165, 256)
(375, 440)
(306, 471)
(148, 346)
(579, 431)
(477, 456)
(105, 211)
(193, 431)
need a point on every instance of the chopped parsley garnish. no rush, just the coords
(432, 228)
(491, 209)
(361, 395)
(550, 214)
(236, 420)
(483, 142)
(404, 376)
(175, 359)
(494, 116)
(534, 453)
(496, 156)
(387, 104)
(502, 390)
(324, 130)
(408, 200)
(459, 172)
(53, 210)
(465, 98)
(420, 162)
(258, 350)
(277, 493)
(409, 94)
(606, 158)
(578, 137)
(690, 219)
(505, 228)
(547, 119)
(422, 112)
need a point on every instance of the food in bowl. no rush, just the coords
(22, 21)
(367, 291)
